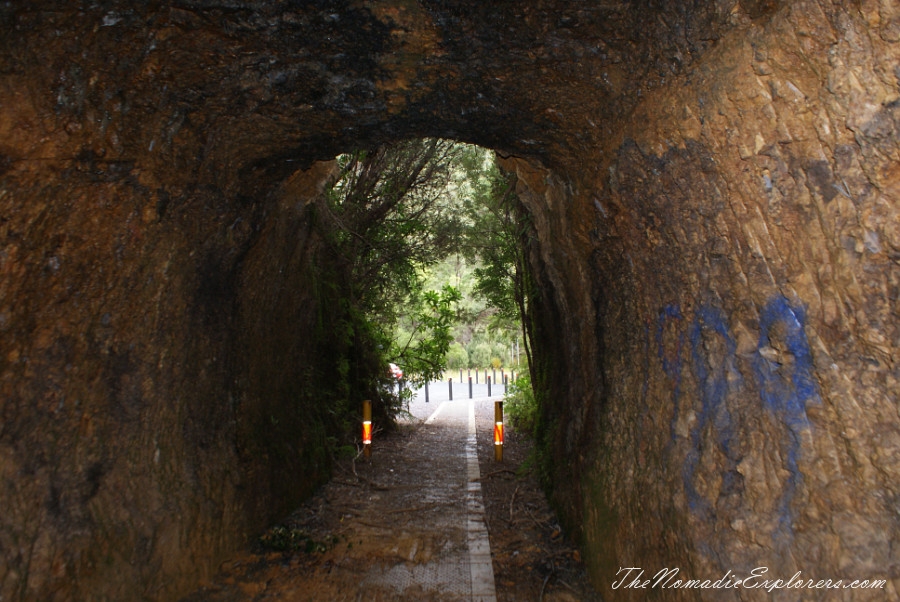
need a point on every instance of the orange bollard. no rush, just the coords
(498, 431)
(367, 428)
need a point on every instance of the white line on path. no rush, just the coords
(436, 412)
(479, 545)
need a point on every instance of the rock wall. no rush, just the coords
(730, 392)
(714, 190)
(137, 443)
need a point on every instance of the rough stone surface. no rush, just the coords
(742, 312)
(714, 190)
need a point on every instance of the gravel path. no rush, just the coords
(411, 523)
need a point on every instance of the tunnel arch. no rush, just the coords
(726, 168)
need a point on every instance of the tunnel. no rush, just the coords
(714, 188)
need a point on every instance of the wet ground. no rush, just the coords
(412, 523)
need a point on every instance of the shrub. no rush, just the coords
(457, 357)
(481, 355)
(521, 405)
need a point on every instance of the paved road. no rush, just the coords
(439, 391)
(406, 525)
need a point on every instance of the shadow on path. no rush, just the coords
(409, 524)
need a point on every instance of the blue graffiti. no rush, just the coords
(713, 378)
(783, 369)
(781, 395)
(671, 358)
(786, 387)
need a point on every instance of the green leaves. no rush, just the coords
(521, 405)
(498, 234)
(391, 216)
(433, 315)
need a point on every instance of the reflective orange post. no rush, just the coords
(367, 428)
(498, 431)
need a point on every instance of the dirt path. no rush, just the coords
(410, 524)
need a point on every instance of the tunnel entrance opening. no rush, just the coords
(422, 245)
(424, 239)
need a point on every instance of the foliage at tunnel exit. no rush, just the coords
(390, 217)
(497, 235)
(521, 406)
(386, 217)
(433, 315)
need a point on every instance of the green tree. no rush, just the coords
(497, 234)
(386, 218)
(457, 357)
(410, 225)
(481, 355)
(390, 215)
(423, 354)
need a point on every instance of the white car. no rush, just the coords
(396, 372)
